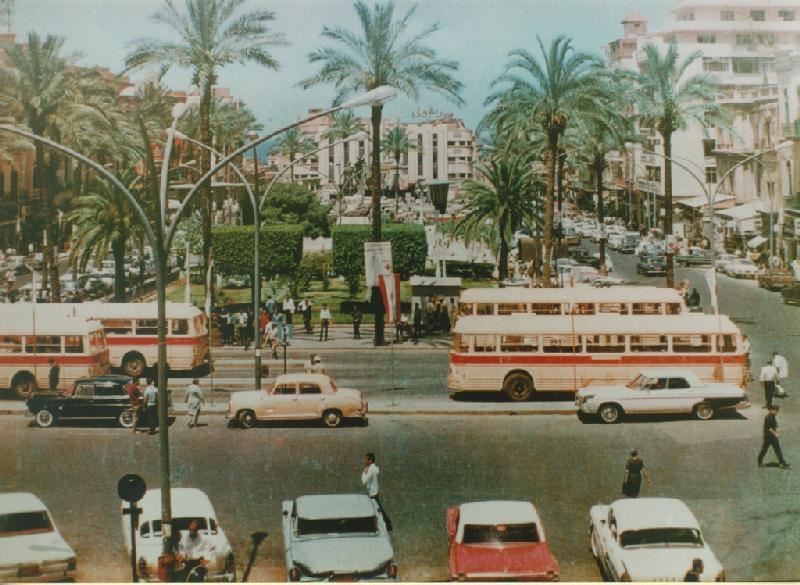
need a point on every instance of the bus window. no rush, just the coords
(647, 343)
(546, 308)
(584, 309)
(461, 343)
(725, 344)
(10, 344)
(561, 344)
(485, 343)
(518, 343)
(43, 344)
(646, 308)
(147, 327)
(605, 343)
(672, 308)
(97, 340)
(73, 344)
(691, 343)
(465, 308)
(611, 309)
(485, 308)
(180, 327)
(511, 308)
(118, 326)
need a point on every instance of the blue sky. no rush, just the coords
(477, 33)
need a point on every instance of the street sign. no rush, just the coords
(131, 487)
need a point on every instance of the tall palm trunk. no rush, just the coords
(502, 269)
(599, 165)
(377, 112)
(205, 192)
(667, 137)
(50, 271)
(120, 282)
(560, 194)
(552, 154)
(396, 182)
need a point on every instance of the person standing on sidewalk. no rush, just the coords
(135, 397)
(634, 471)
(288, 313)
(369, 477)
(53, 375)
(782, 366)
(325, 318)
(417, 323)
(771, 437)
(768, 377)
(357, 316)
(194, 397)
(305, 308)
(151, 404)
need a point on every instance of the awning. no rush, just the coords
(756, 242)
(702, 201)
(741, 212)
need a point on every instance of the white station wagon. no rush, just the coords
(653, 391)
(31, 547)
(649, 539)
(336, 537)
(187, 504)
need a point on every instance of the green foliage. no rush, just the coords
(409, 249)
(353, 280)
(314, 266)
(281, 249)
(289, 203)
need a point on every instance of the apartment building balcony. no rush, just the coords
(732, 96)
(733, 149)
(649, 186)
(792, 131)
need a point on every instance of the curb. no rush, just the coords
(389, 412)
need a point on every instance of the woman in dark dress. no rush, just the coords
(634, 470)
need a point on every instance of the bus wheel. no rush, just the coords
(23, 385)
(704, 411)
(610, 413)
(518, 387)
(44, 418)
(133, 365)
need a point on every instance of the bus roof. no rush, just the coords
(96, 310)
(594, 324)
(617, 294)
(18, 319)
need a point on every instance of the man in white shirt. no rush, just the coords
(194, 396)
(369, 477)
(782, 366)
(325, 317)
(151, 405)
(194, 548)
(769, 376)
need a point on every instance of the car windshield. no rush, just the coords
(639, 382)
(181, 523)
(499, 533)
(366, 524)
(661, 537)
(25, 523)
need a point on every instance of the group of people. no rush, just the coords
(144, 403)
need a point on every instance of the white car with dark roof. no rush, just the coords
(336, 537)
(649, 539)
(31, 547)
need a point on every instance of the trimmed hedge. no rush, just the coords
(234, 250)
(409, 248)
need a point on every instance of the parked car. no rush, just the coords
(694, 257)
(668, 390)
(615, 241)
(609, 261)
(31, 547)
(237, 281)
(741, 268)
(649, 539)
(776, 279)
(582, 256)
(336, 538)
(297, 397)
(188, 504)
(723, 260)
(630, 242)
(499, 541)
(791, 295)
(652, 266)
(98, 397)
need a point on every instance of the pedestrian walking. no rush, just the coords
(151, 405)
(768, 377)
(634, 471)
(288, 312)
(243, 328)
(237, 329)
(325, 319)
(280, 330)
(306, 307)
(771, 437)
(194, 397)
(54, 375)
(694, 573)
(782, 366)
(694, 298)
(417, 323)
(369, 477)
(135, 397)
(271, 306)
(357, 316)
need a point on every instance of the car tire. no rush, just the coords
(24, 385)
(610, 413)
(126, 419)
(332, 418)
(518, 387)
(247, 418)
(133, 365)
(704, 411)
(45, 418)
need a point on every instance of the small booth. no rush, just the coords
(437, 298)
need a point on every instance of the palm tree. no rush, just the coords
(207, 36)
(376, 56)
(668, 99)
(551, 92)
(396, 143)
(505, 198)
(294, 142)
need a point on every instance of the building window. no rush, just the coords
(786, 15)
(419, 155)
(711, 174)
(686, 16)
(726, 15)
(435, 156)
(706, 38)
(758, 15)
(745, 65)
(766, 39)
(744, 39)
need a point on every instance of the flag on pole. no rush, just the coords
(713, 290)
(390, 291)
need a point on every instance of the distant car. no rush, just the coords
(776, 279)
(582, 256)
(188, 504)
(98, 397)
(31, 547)
(20, 269)
(336, 538)
(615, 241)
(499, 541)
(741, 268)
(791, 295)
(694, 257)
(238, 281)
(668, 390)
(630, 242)
(297, 397)
(649, 539)
(652, 266)
(609, 262)
(723, 260)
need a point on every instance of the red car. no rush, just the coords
(498, 541)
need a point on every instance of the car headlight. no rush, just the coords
(294, 574)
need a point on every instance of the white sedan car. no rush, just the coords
(336, 537)
(187, 504)
(741, 268)
(653, 391)
(31, 547)
(649, 539)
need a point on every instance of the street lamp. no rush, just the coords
(253, 135)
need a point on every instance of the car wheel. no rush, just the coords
(23, 385)
(125, 419)
(610, 413)
(247, 418)
(133, 365)
(45, 418)
(704, 411)
(518, 387)
(332, 418)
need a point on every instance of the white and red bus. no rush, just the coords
(579, 300)
(29, 338)
(523, 354)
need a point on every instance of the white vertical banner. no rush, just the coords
(377, 261)
(711, 280)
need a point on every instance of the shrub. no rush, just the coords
(281, 249)
(409, 249)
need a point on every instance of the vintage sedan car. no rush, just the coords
(694, 257)
(741, 268)
(299, 397)
(791, 295)
(652, 265)
(498, 541)
(776, 279)
(188, 504)
(336, 538)
(656, 391)
(649, 539)
(98, 397)
(31, 547)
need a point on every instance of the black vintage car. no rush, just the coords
(98, 397)
(652, 265)
(791, 295)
